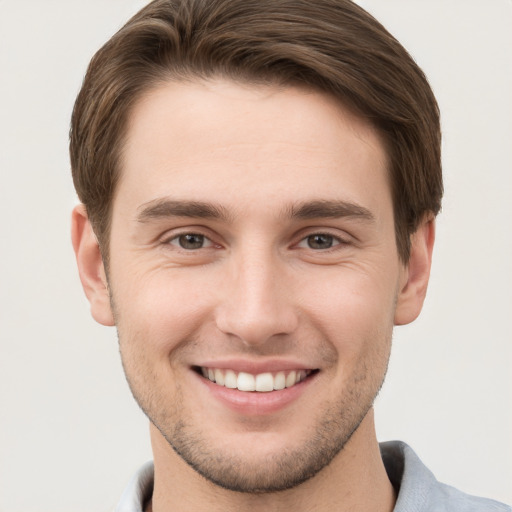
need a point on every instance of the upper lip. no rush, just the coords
(255, 367)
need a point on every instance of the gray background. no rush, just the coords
(70, 433)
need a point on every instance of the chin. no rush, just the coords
(262, 464)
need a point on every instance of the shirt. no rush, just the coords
(417, 488)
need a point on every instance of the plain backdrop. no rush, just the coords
(70, 433)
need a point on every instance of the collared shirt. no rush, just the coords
(417, 488)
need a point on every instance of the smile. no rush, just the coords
(262, 382)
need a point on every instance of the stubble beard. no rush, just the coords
(280, 471)
(275, 473)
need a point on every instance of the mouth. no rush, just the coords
(262, 382)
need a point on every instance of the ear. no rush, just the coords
(416, 273)
(90, 266)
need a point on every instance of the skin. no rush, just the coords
(275, 167)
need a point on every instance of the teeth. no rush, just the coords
(291, 379)
(263, 382)
(279, 381)
(219, 377)
(245, 382)
(230, 380)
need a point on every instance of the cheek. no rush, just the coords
(349, 297)
(354, 311)
(159, 311)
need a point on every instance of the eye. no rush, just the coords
(319, 241)
(191, 241)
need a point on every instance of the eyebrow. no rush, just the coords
(163, 208)
(329, 209)
(317, 209)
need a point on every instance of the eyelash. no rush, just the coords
(336, 241)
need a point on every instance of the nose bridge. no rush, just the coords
(256, 304)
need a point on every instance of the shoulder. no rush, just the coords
(419, 491)
(446, 498)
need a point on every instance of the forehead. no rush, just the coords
(235, 143)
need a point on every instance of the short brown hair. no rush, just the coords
(333, 46)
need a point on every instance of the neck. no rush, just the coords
(355, 480)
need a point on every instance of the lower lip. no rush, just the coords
(255, 403)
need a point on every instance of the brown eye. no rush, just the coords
(320, 241)
(190, 241)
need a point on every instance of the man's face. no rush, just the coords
(253, 244)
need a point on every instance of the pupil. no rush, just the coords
(320, 241)
(191, 241)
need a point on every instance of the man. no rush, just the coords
(259, 182)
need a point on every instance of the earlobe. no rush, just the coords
(416, 273)
(90, 266)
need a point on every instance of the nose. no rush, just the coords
(256, 302)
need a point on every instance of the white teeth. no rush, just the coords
(246, 382)
(291, 379)
(230, 379)
(279, 381)
(219, 377)
(263, 382)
